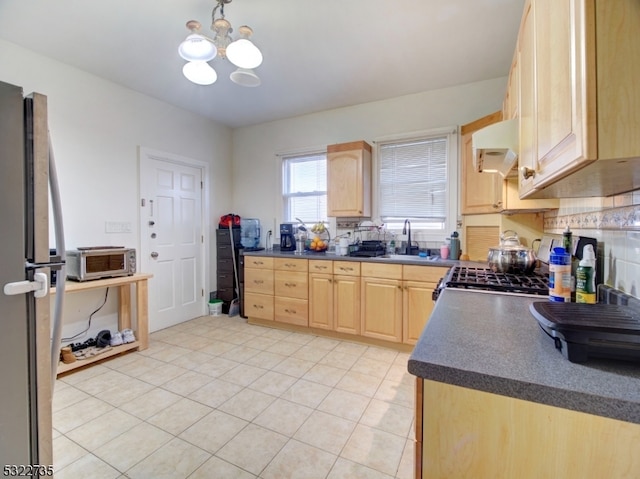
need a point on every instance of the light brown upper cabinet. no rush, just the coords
(349, 179)
(489, 192)
(480, 192)
(579, 104)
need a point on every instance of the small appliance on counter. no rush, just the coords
(582, 331)
(97, 262)
(287, 237)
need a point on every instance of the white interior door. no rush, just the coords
(172, 241)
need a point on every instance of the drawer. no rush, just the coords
(292, 285)
(381, 270)
(292, 311)
(258, 280)
(258, 306)
(222, 235)
(225, 280)
(224, 264)
(258, 262)
(429, 274)
(225, 294)
(320, 266)
(291, 264)
(346, 268)
(224, 251)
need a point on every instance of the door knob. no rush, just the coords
(154, 255)
(151, 223)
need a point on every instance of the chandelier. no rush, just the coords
(198, 49)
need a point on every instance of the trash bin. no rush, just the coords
(215, 307)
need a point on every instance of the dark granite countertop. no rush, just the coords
(392, 259)
(492, 343)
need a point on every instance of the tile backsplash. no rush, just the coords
(615, 223)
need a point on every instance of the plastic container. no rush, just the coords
(585, 277)
(215, 307)
(250, 232)
(560, 276)
(444, 251)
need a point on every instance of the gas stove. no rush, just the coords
(486, 280)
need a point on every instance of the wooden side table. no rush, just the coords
(123, 284)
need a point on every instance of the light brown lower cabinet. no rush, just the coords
(258, 288)
(471, 434)
(419, 282)
(381, 301)
(291, 291)
(334, 297)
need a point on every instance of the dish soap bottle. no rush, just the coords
(585, 277)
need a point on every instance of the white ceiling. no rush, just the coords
(318, 54)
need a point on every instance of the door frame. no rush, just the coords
(145, 155)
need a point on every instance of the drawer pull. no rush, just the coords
(258, 262)
(258, 281)
(258, 306)
(290, 265)
(342, 268)
(320, 267)
(290, 285)
(290, 311)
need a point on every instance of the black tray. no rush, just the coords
(581, 331)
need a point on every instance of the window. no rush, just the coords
(304, 187)
(417, 180)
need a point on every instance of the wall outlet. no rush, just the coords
(117, 227)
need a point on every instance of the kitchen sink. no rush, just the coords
(406, 257)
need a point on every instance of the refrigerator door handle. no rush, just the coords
(39, 286)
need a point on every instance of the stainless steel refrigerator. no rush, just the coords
(28, 356)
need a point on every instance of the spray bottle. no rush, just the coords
(585, 277)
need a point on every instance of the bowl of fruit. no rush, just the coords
(319, 241)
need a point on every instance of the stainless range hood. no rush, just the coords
(495, 147)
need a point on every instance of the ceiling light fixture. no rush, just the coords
(198, 49)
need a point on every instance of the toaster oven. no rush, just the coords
(97, 262)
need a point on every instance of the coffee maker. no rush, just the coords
(287, 237)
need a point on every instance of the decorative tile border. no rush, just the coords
(626, 219)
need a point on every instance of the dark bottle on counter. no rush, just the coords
(567, 240)
(567, 244)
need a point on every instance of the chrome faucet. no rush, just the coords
(407, 231)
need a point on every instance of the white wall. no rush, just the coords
(96, 128)
(256, 168)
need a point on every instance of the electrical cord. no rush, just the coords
(81, 333)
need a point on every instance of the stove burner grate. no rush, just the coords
(488, 280)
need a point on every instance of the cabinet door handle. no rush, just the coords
(527, 172)
(290, 311)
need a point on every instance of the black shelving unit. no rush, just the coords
(224, 264)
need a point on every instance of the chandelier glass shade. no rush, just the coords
(200, 73)
(198, 49)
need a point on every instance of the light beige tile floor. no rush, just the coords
(217, 397)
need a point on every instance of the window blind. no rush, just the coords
(305, 187)
(413, 180)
